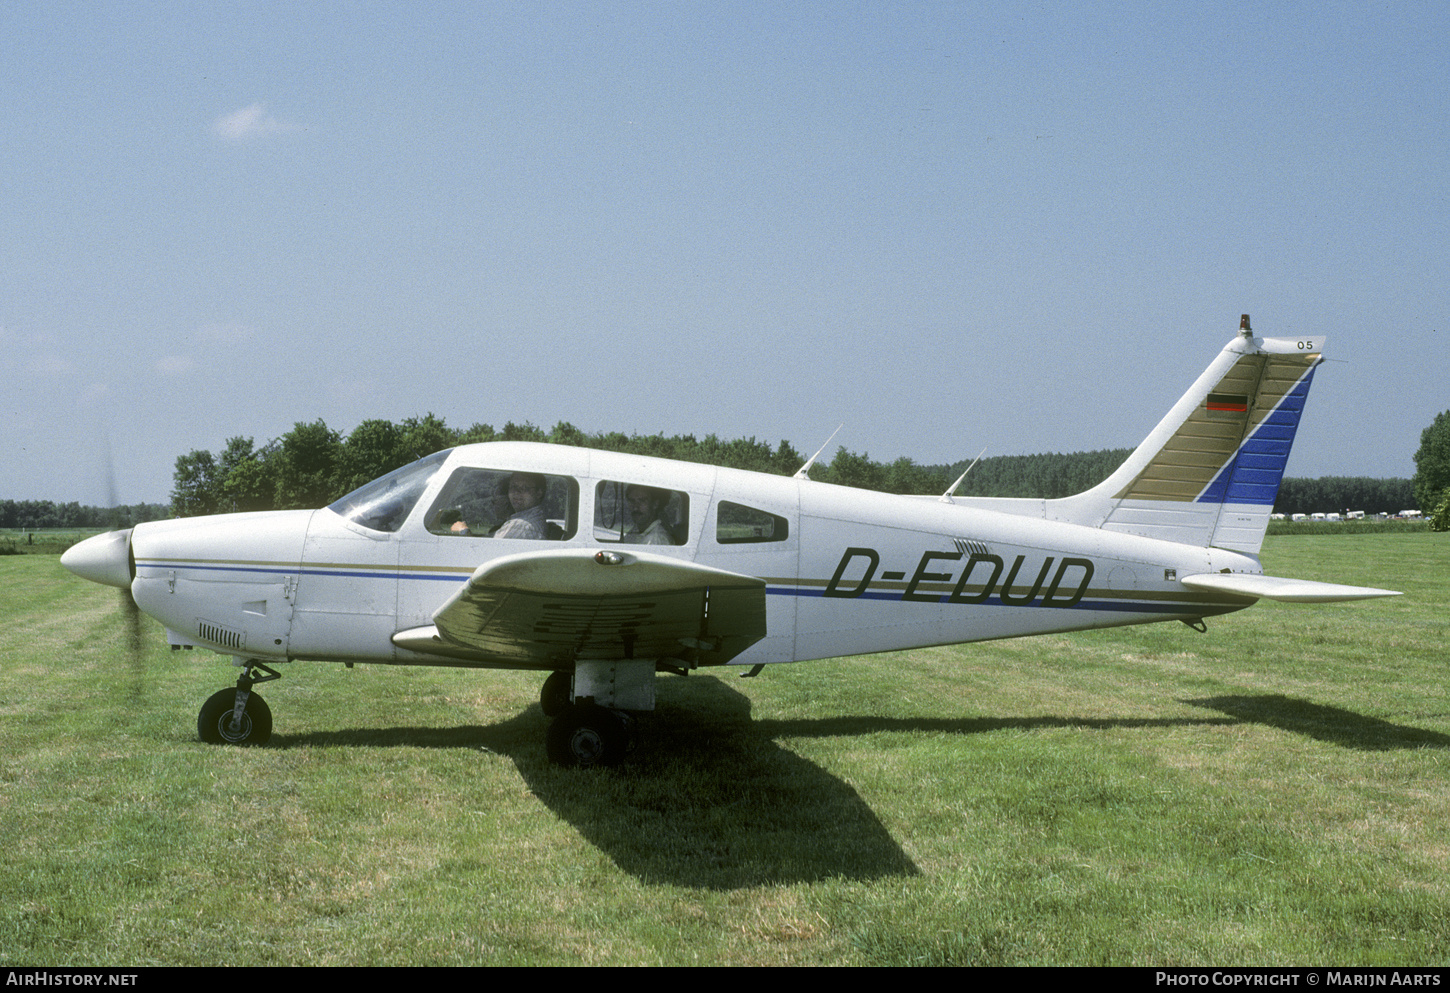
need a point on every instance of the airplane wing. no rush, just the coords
(551, 609)
(1278, 588)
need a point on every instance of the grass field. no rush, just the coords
(51, 541)
(1273, 792)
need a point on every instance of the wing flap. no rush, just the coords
(559, 607)
(1279, 588)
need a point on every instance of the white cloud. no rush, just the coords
(362, 390)
(246, 124)
(175, 365)
(52, 365)
(224, 333)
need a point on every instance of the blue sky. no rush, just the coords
(1020, 226)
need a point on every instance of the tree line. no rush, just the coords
(313, 465)
(1335, 494)
(34, 515)
(1042, 476)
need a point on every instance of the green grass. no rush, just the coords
(1272, 792)
(50, 541)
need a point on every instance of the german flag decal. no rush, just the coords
(1228, 402)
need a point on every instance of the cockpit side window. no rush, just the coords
(385, 503)
(737, 524)
(635, 514)
(498, 503)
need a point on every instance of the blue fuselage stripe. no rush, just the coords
(1124, 606)
(274, 570)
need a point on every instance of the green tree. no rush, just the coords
(919, 479)
(522, 432)
(424, 436)
(309, 458)
(1440, 520)
(1432, 463)
(375, 448)
(477, 433)
(244, 479)
(251, 475)
(850, 469)
(197, 488)
(565, 433)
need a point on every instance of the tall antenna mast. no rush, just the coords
(804, 472)
(947, 496)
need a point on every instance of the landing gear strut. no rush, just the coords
(238, 716)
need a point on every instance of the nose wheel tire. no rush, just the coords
(214, 724)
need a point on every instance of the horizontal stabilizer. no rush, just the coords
(1278, 588)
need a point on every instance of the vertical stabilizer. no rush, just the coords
(1209, 473)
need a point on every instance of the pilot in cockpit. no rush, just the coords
(526, 496)
(474, 497)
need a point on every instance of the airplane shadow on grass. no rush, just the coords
(1330, 724)
(708, 801)
(712, 801)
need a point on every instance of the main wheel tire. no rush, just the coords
(587, 735)
(214, 723)
(557, 694)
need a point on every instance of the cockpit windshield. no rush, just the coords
(385, 503)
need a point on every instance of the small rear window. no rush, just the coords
(737, 524)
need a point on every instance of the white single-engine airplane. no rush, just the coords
(605, 569)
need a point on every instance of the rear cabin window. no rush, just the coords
(737, 524)
(635, 514)
(497, 503)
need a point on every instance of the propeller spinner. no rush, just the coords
(104, 558)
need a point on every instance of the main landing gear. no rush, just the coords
(238, 716)
(584, 731)
(586, 734)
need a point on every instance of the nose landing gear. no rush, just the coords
(239, 716)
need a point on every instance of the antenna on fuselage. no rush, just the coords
(804, 472)
(947, 496)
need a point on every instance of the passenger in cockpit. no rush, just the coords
(646, 507)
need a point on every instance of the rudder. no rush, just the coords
(1209, 473)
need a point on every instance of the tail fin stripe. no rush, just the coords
(1254, 474)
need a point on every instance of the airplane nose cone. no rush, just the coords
(105, 558)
